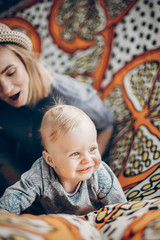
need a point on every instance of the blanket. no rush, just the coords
(138, 220)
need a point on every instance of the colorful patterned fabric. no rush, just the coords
(114, 46)
(125, 221)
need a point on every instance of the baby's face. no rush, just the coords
(75, 155)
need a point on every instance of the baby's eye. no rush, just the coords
(75, 154)
(92, 149)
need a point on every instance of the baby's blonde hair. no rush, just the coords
(60, 119)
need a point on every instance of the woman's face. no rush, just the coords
(14, 79)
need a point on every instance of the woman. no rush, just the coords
(27, 90)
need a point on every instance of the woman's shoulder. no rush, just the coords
(3, 106)
(70, 86)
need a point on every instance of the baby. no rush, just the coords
(70, 176)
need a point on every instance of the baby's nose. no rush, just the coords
(87, 158)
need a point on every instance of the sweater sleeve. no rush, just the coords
(22, 194)
(110, 190)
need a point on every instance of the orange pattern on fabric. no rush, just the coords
(135, 231)
(139, 117)
(81, 44)
(45, 227)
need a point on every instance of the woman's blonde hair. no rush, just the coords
(39, 76)
(59, 119)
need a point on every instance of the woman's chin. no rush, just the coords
(16, 103)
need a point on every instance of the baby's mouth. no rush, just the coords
(15, 96)
(85, 169)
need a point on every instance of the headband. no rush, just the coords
(10, 36)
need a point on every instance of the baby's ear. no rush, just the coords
(47, 158)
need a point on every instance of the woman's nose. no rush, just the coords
(5, 86)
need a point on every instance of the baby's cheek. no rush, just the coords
(98, 162)
(99, 158)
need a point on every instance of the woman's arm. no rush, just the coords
(103, 140)
(9, 174)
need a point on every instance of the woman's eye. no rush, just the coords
(11, 72)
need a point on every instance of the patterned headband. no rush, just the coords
(9, 36)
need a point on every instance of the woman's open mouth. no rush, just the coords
(15, 96)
